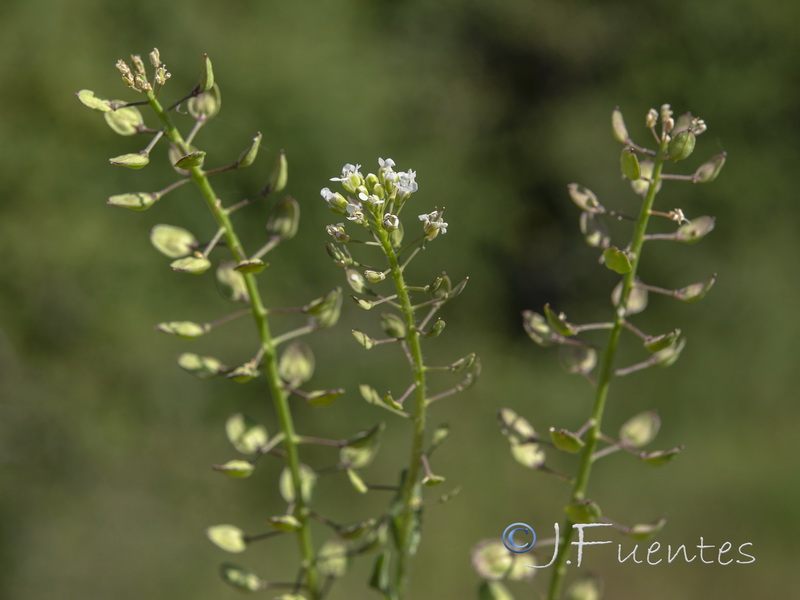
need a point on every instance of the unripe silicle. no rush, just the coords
(682, 145)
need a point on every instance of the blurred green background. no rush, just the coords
(105, 445)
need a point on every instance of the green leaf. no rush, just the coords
(520, 434)
(191, 264)
(640, 429)
(137, 160)
(231, 283)
(323, 397)
(238, 469)
(285, 523)
(246, 435)
(584, 511)
(296, 365)
(617, 260)
(361, 448)
(308, 479)
(228, 537)
(203, 367)
(566, 440)
(695, 230)
(124, 121)
(88, 98)
(137, 201)
(585, 198)
(332, 558)
(171, 241)
(187, 330)
(356, 481)
(240, 578)
(661, 457)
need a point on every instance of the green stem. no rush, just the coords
(407, 517)
(279, 396)
(604, 381)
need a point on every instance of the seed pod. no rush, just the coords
(206, 81)
(682, 145)
(708, 171)
(629, 164)
(618, 125)
(284, 219)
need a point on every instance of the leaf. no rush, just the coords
(227, 537)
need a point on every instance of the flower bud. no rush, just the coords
(682, 145)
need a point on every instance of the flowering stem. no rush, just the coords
(279, 396)
(593, 433)
(407, 518)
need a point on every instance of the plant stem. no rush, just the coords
(606, 373)
(279, 396)
(407, 517)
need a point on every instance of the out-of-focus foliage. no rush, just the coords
(106, 445)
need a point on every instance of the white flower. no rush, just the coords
(337, 232)
(387, 164)
(372, 199)
(391, 222)
(354, 213)
(336, 202)
(433, 224)
(347, 171)
(406, 182)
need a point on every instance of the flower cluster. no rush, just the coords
(376, 200)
